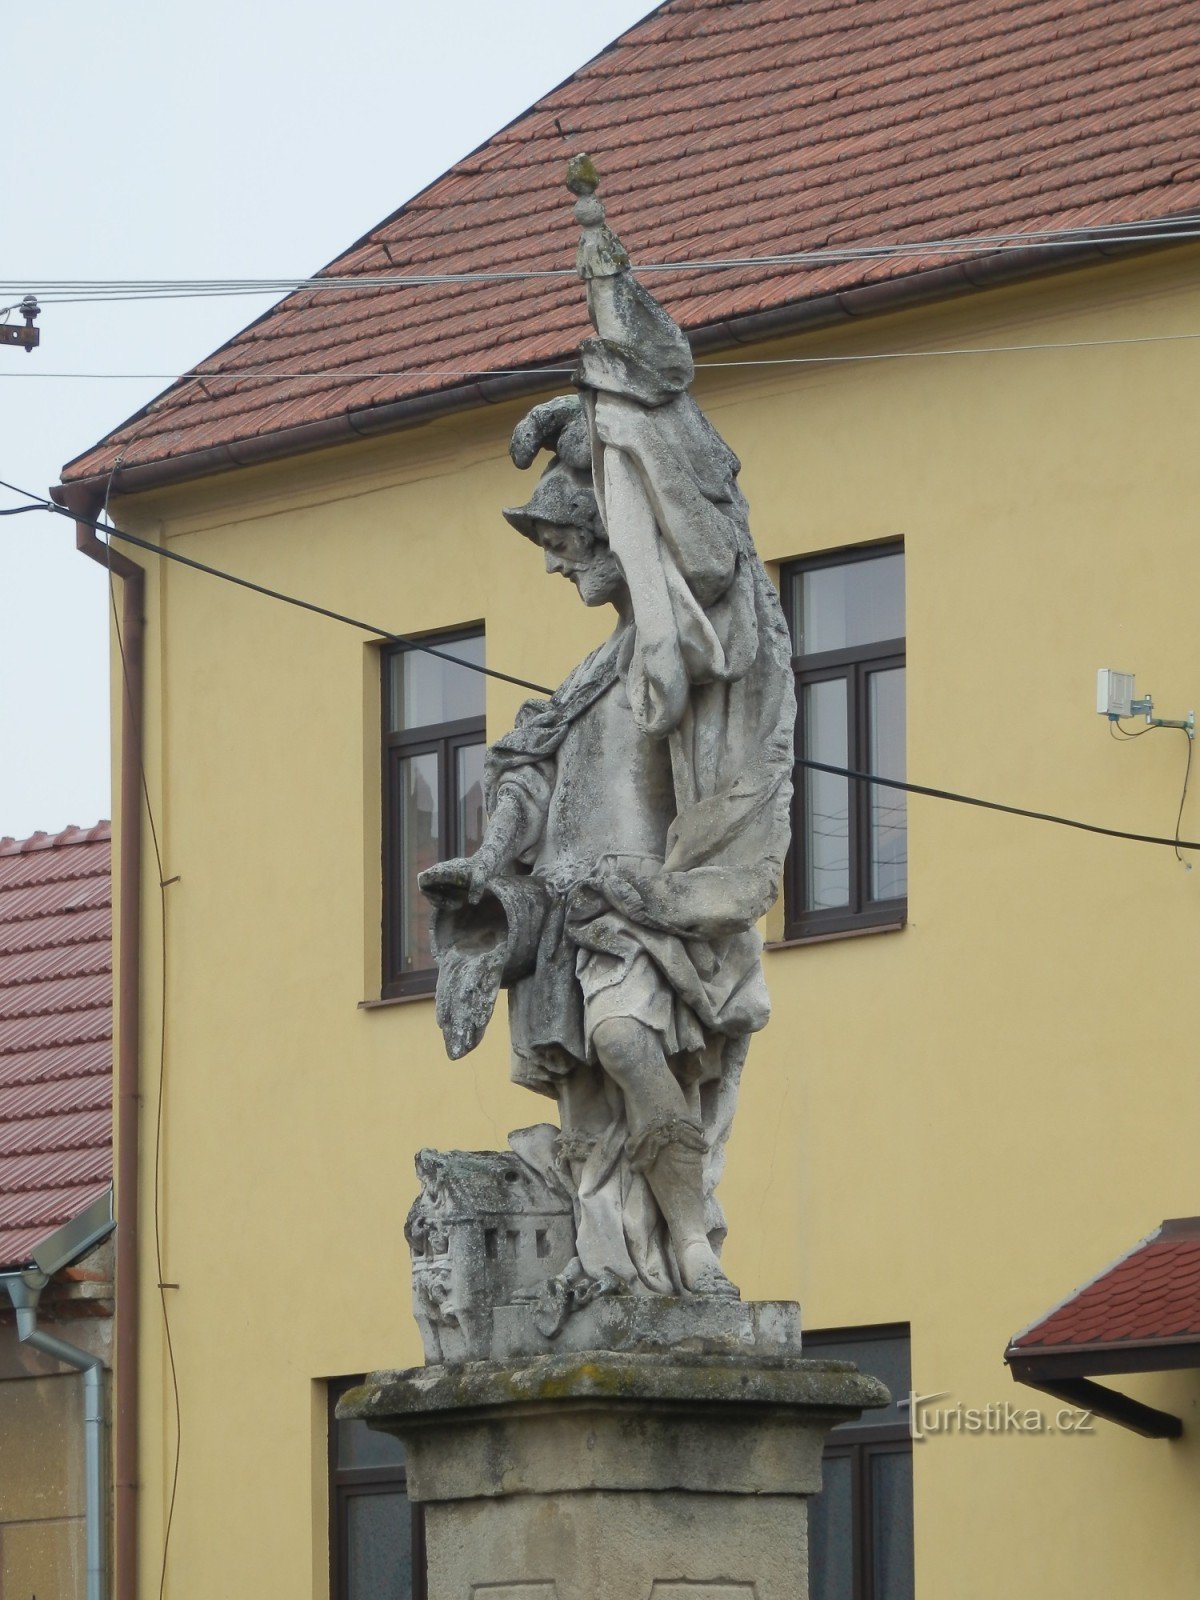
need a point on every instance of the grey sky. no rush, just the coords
(223, 140)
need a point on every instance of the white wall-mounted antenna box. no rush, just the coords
(1114, 693)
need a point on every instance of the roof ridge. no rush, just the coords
(70, 835)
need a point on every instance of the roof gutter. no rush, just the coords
(800, 316)
(85, 501)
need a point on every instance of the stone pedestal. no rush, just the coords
(599, 1476)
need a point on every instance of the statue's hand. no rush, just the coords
(623, 895)
(543, 428)
(462, 881)
(606, 891)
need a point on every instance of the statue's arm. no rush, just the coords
(554, 425)
(514, 825)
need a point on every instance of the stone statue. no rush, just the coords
(638, 819)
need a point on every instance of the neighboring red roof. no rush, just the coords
(724, 128)
(1149, 1296)
(55, 1032)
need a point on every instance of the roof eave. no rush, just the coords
(1069, 1374)
(68, 1242)
(1108, 1357)
(800, 316)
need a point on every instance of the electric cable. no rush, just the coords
(995, 805)
(362, 375)
(801, 761)
(64, 291)
(274, 594)
(1116, 731)
(1187, 773)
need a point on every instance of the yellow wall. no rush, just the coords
(952, 1125)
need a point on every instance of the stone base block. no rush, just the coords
(708, 1325)
(604, 1476)
(597, 1545)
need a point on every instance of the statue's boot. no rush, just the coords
(675, 1174)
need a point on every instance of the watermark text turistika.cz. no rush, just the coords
(928, 1418)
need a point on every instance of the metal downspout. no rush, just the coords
(83, 502)
(24, 1290)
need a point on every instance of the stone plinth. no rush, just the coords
(599, 1476)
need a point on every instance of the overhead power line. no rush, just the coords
(994, 805)
(37, 502)
(65, 291)
(365, 374)
(271, 594)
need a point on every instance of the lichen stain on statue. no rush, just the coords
(637, 820)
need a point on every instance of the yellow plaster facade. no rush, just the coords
(951, 1125)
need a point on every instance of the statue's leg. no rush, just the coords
(666, 1142)
(590, 1147)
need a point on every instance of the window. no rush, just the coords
(848, 867)
(433, 743)
(376, 1534)
(860, 1531)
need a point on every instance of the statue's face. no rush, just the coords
(586, 562)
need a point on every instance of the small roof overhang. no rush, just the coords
(1140, 1314)
(67, 1243)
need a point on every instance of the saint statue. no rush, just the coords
(637, 819)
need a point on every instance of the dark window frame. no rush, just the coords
(347, 1483)
(861, 1444)
(443, 739)
(853, 666)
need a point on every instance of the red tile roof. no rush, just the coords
(55, 1032)
(722, 128)
(1149, 1296)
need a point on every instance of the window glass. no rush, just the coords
(884, 1358)
(360, 1446)
(379, 1554)
(860, 1525)
(826, 797)
(831, 1532)
(376, 1533)
(891, 1501)
(433, 737)
(848, 868)
(857, 602)
(427, 690)
(420, 846)
(468, 790)
(889, 812)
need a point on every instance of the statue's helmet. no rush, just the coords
(564, 498)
